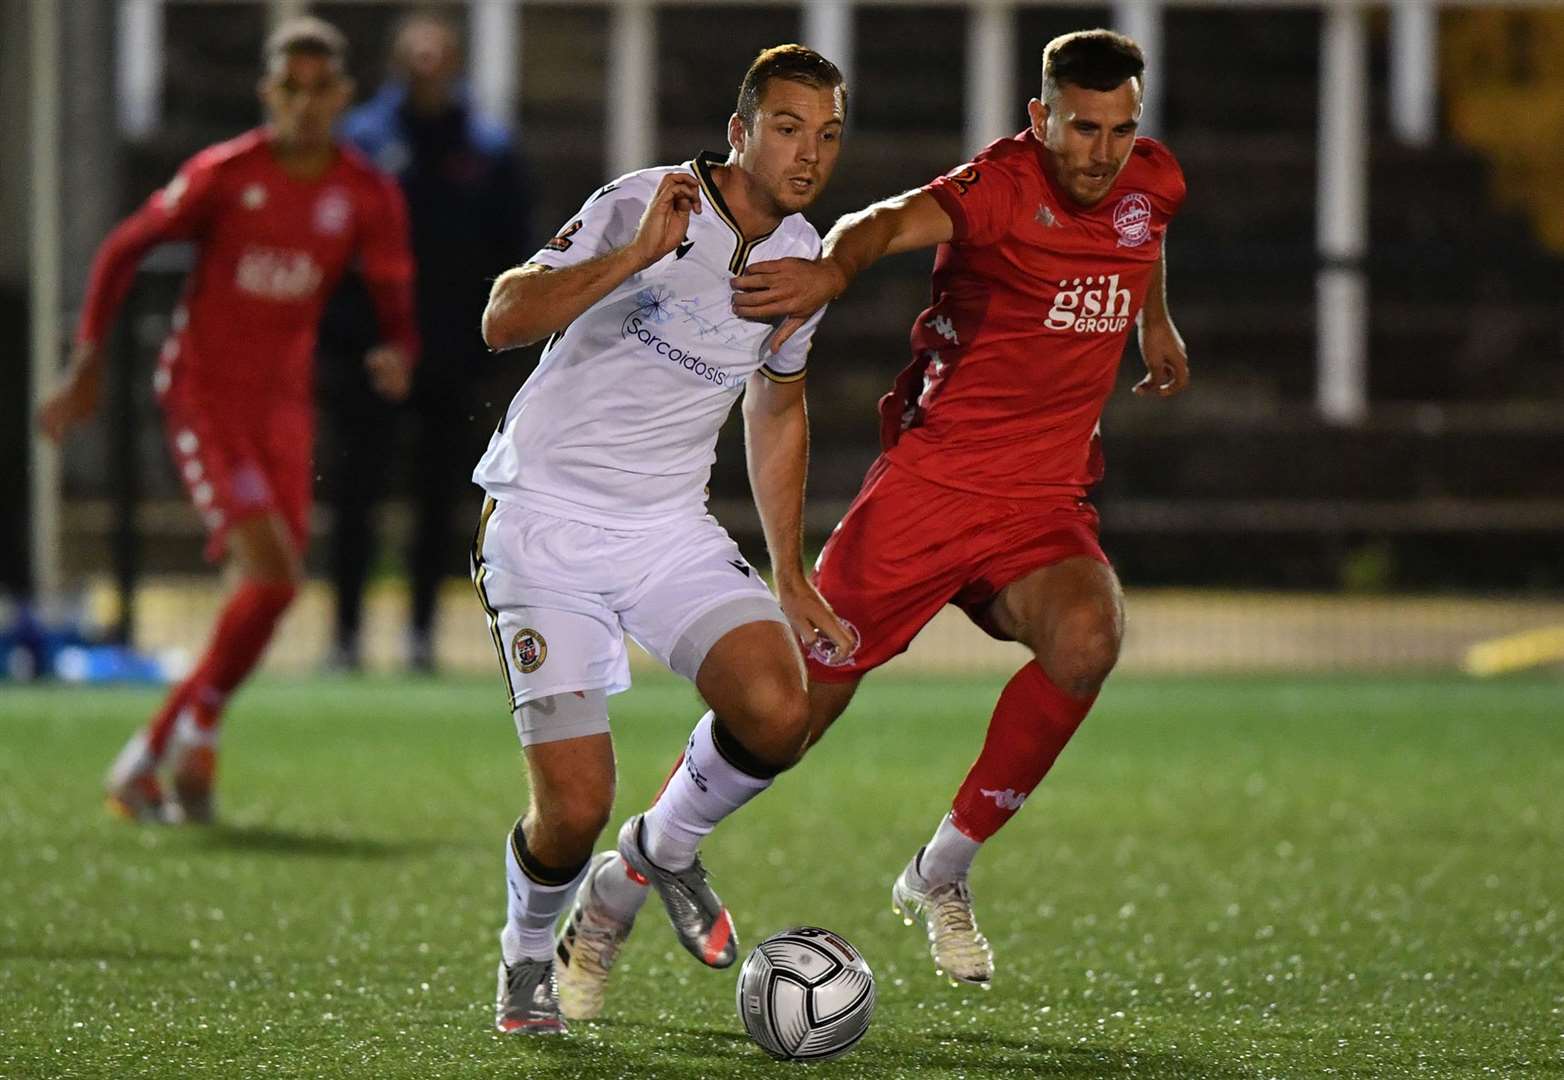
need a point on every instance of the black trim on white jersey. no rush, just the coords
(702, 164)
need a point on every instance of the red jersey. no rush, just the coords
(270, 249)
(1033, 299)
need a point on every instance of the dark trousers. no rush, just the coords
(367, 440)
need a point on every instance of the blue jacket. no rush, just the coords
(468, 209)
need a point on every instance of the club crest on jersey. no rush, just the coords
(333, 211)
(253, 197)
(1132, 220)
(528, 650)
(1045, 216)
(1090, 305)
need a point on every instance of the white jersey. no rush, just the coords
(618, 425)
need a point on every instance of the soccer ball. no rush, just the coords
(805, 995)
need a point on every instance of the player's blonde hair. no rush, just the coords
(305, 35)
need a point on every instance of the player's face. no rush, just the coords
(1091, 134)
(794, 145)
(304, 95)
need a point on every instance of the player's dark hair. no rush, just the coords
(1091, 59)
(795, 63)
(305, 36)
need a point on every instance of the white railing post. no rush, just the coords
(991, 108)
(45, 314)
(494, 43)
(138, 67)
(632, 86)
(1414, 70)
(828, 29)
(1142, 20)
(1341, 291)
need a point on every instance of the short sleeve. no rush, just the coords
(980, 198)
(606, 221)
(790, 362)
(1165, 183)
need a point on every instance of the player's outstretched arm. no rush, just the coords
(794, 289)
(1161, 346)
(776, 443)
(530, 302)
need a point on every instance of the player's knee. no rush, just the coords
(772, 723)
(575, 817)
(1084, 650)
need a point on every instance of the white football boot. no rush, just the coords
(588, 944)
(959, 949)
(130, 788)
(193, 750)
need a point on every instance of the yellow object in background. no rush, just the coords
(1516, 652)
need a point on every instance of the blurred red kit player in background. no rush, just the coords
(276, 215)
(1050, 248)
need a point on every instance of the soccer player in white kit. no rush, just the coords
(596, 522)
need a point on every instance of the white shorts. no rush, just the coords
(561, 595)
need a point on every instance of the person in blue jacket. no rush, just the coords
(468, 207)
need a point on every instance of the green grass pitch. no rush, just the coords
(1222, 878)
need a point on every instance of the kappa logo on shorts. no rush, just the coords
(528, 650)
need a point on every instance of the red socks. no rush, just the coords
(1032, 722)
(242, 633)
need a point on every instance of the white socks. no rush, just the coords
(702, 791)
(948, 855)
(531, 909)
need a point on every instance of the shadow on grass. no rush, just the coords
(269, 840)
(721, 1051)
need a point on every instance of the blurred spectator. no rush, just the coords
(468, 203)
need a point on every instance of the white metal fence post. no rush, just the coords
(828, 29)
(494, 43)
(1142, 20)
(991, 110)
(1341, 291)
(632, 86)
(45, 314)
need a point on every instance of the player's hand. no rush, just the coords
(813, 620)
(792, 288)
(77, 397)
(1167, 361)
(390, 371)
(666, 218)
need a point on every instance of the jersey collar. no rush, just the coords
(702, 165)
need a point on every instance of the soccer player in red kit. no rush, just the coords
(1050, 246)
(276, 215)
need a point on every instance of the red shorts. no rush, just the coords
(908, 547)
(242, 463)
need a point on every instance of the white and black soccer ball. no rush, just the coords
(806, 995)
